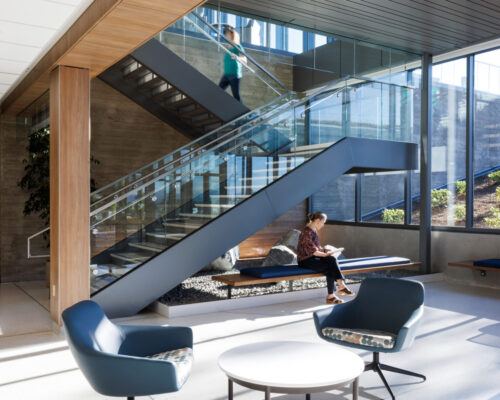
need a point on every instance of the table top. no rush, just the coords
(290, 364)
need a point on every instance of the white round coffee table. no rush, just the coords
(291, 367)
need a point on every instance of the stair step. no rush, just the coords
(133, 257)
(202, 216)
(214, 205)
(148, 81)
(164, 93)
(169, 236)
(244, 187)
(206, 121)
(149, 246)
(134, 71)
(113, 269)
(184, 225)
(194, 112)
(179, 103)
(230, 196)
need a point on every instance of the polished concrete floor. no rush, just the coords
(458, 348)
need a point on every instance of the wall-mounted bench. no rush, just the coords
(491, 264)
(290, 273)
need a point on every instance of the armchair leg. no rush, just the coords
(130, 397)
(376, 366)
(401, 371)
(379, 372)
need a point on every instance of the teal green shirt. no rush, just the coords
(233, 67)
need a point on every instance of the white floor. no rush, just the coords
(458, 348)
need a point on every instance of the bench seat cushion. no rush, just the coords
(490, 262)
(384, 340)
(276, 271)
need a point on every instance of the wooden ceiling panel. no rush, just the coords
(105, 33)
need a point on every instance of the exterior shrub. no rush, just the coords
(459, 213)
(495, 177)
(461, 187)
(393, 216)
(494, 221)
(439, 197)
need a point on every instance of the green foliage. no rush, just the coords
(494, 221)
(393, 216)
(495, 177)
(36, 179)
(459, 213)
(439, 197)
(497, 193)
(461, 187)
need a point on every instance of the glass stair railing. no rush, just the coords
(188, 193)
(204, 47)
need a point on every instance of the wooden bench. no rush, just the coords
(237, 280)
(470, 264)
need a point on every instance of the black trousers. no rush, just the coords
(234, 82)
(325, 265)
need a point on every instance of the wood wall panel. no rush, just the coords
(259, 244)
(69, 188)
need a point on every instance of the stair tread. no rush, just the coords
(150, 246)
(214, 205)
(171, 236)
(181, 225)
(230, 196)
(203, 216)
(131, 256)
(203, 122)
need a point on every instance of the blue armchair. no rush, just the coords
(127, 361)
(383, 317)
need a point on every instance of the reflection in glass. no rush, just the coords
(448, 143)
(382, 197)
(487, 140)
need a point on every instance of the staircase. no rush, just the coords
(198, 208)
(172, 90)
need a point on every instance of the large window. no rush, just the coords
(487, 140)
(448, 143)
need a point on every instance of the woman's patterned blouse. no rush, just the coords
(308, 244)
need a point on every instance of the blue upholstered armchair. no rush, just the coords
(383, 317)
(127, 361)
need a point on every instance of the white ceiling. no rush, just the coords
(28, 29)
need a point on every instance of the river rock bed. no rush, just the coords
(201, 288)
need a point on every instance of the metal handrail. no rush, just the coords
(29, 245)
(283, 86)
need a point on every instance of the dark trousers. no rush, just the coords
(234, 82)
(325, 265)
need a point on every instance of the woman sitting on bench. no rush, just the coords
(312, 256)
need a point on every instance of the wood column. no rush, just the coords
(69, 188)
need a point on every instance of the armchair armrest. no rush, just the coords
(334, 317)
(122, 375)
(147, 340)
(408, 331)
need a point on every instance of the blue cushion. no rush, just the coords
(490, 262)
(276, 271)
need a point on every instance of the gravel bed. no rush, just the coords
(201, 288)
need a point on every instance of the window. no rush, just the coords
(487, 140)
(448, 143)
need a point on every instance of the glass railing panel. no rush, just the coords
(111, 191)
(206, 49)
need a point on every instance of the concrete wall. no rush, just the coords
(362, 241)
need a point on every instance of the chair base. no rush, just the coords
(376, 366)
(130, 397)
